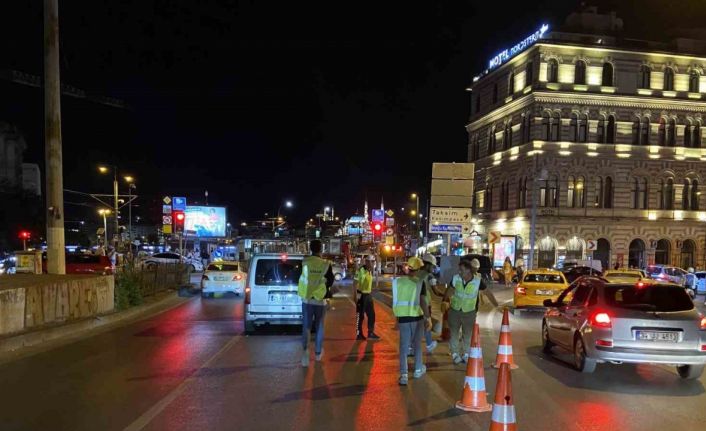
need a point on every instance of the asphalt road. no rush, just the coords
(191, 368)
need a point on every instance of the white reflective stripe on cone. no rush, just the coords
(505, 328)
(475, 353)
(475, 383)
(504, 349)
(503, 414)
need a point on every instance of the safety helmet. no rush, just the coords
(429, 258)
(415, 263)
(475, 264)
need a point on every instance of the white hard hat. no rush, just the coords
(429, 258)
(475, 263)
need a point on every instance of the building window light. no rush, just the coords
(591, 154)
(652, 215)
(679, 215)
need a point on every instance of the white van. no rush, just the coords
(271, 291)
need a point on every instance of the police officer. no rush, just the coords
(363, 283)
(410, 306)
(463, 293)
(314, 283)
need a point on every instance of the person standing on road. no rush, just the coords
(314, 284)
(463, 293)
(426, 274)
(507, 271)
(410, 307)
(363, 285)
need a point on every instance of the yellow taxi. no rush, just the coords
(626, 275)
(536, 286)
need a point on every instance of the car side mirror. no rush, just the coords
(549, 303)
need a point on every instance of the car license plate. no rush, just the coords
(544, 292)
(283, 298)
(220, 278)
(671, 337)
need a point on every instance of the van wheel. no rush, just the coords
(546, 342)
(249, 327)
(690, 372)
(581, 362)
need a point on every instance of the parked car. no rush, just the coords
(536, 286)
(168, 258)
(223, 276)
(667, 273)
(575, 272)
(79, 263)
(601, 322)
(271, 291)
(625, 275)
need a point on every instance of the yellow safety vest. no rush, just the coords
(312, 282)
(365, 281)
(465, 297)
(405, 297)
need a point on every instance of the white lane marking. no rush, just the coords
(162, 404)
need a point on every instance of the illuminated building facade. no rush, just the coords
(605, 133)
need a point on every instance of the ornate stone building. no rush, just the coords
(605, 133)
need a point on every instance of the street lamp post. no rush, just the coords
(104, 213)
(104, 170)
(416, 212)
(131, 185)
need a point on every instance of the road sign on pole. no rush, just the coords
(494, 237)
(179, 204)
(591, 245)
(449, 220)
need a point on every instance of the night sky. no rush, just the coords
(258, 102)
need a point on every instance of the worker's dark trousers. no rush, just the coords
(365, 307)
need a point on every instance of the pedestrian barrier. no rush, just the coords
(503, 416)
(473, 397)
(505, 344)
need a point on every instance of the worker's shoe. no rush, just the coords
(373, 336)
(360, 336)
(403, 380)
(420, 372)
(465, 358)
(432, 346)
(320, 355)
(456, 358)
(305, 358)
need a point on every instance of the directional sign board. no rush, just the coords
(494, 237)
(378, 215)
(449, 220)
(591, 245)
(179, 204)
(446, 228)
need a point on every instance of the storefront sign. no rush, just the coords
(508, 53)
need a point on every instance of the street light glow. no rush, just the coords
(414, 196)
(103, 169)
(129, 178)
(413, 212)
(103, 211)
(288, 204)
(327, 209)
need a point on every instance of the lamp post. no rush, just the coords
(105, 170)
(131, 185)
(415, 196)
(104, 212)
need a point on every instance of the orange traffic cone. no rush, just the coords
(503, 416)
(473, 398)
(505, 344)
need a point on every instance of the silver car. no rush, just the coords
(644, 322)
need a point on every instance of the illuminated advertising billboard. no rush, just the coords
(504, 248)
(205, 222)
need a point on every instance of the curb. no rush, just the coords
(16, 346)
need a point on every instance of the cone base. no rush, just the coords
(512, 366)
(477, 409)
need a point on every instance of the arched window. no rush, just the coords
(696, 135)
(695, 195)
(570, 192)
(507, 136)
(574, 128)
(644, 76)
(639, 191)
(598, 192)
(636, 132)
(600, 131)
(667, 194)
(580, 72)
(645, 131)
(694, 77)
(685, 195)
(610, 130)
(546, 126)
(671, 132)
(556, 127)
(511, 83)
(607, 78)
(580, 193)
(583, 128)
(669, 79)
(608, 193)
(687, 134)
(662, 132)
(553, 70)
(495, 92)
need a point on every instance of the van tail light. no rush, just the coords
(237, 277)
(604, 343)
(521, 290)
(247, 294)
(601, 319)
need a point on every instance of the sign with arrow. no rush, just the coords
(449, 220)
(494, 237)
(591, 245)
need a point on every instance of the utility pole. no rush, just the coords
(116, 236)
(56, 250)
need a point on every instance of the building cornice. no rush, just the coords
(619, 101)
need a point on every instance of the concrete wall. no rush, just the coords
(31, 301)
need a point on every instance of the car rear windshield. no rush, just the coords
(543, 278)
(222, 267)
(83, 258)
(654, 270)
(277, 272)
(652, 297)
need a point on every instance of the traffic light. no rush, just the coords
(377, 230)
(178, 217)
(25, 235)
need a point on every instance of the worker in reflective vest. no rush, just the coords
(363, 284)
(463, 293)
(314, 283)
(410, 306)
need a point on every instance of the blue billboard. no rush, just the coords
(205, 222)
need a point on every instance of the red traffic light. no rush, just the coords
(180, 217)
(377, 227)
(25, 234)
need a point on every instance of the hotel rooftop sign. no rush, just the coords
(507, 54)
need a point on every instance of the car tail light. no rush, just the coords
(702, 324)
(604, 343)
(640, 284)
(237, 277)
(703, 347)
(521, 290)
(283, 256)
(204, 277)
(601, 320)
